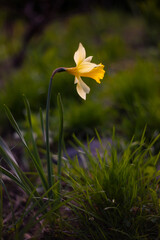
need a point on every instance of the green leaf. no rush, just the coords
(17, 129)
(35, 151)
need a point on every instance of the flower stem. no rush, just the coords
(60, 106)
(49, 161)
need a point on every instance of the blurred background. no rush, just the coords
(40, 35)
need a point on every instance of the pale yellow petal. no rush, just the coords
(75, 80)
(85, 67)
(88, 59)
(80, 54)
(80, 91)
(83, 85)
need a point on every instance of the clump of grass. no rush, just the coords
(116, 196)
(43, 196)
(133, 97)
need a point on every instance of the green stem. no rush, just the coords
(49, 161)
(60, 106)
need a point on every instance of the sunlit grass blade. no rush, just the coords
(10, 160)
(8, 156)
(17, 129)
(89, 159)
(99, 139)
(12, 177)
(20, 177)
(23, 182)
(37, 201)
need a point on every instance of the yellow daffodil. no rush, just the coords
(84, 68)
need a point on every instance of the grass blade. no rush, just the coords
(42, 124)
(17, 129)
(36, 154)
(49, 161)
(8, 156)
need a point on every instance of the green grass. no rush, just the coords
(134, 94)
(42, 203)
(116, 196)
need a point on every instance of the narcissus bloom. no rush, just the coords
(84, 68)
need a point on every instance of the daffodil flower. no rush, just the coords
(84, 68)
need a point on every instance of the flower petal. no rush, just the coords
(86, 67)
(80, 54)
(88, 59)
(82, 88)
(80, 91)
(96, 73)
(83, 85)
(75, 80)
